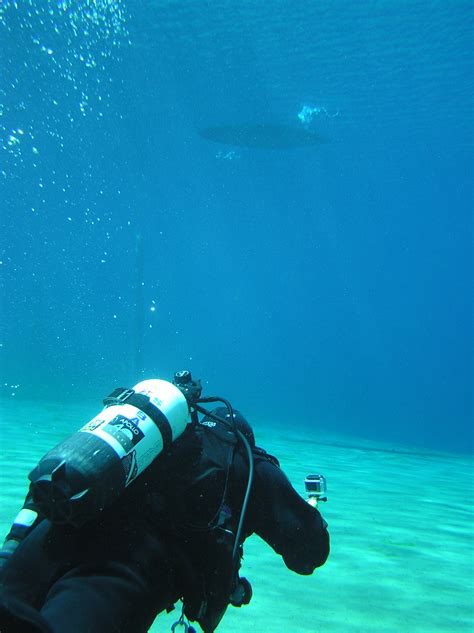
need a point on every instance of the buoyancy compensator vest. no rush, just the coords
(210, 514)
(86, 472)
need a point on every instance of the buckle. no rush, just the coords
(118, 396)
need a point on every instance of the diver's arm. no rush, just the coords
(26, 520)
(286, 521)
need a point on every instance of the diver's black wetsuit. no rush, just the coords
(153, 546)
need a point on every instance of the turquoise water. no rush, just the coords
(340, 272)
(277, 196)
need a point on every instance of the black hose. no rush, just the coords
(243, 439)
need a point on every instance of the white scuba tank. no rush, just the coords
(83, 474)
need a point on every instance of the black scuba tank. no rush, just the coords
(86, 472)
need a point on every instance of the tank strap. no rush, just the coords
(121, 396)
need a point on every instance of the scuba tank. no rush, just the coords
(86, 472)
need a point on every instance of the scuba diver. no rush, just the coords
(147, 505)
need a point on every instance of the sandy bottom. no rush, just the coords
(401, 525)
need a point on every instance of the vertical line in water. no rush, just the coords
(137, 338)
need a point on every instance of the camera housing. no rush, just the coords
(316, 487)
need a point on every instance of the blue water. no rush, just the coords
(327, 286)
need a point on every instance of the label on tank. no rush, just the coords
(131, 433)
(125, 430)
